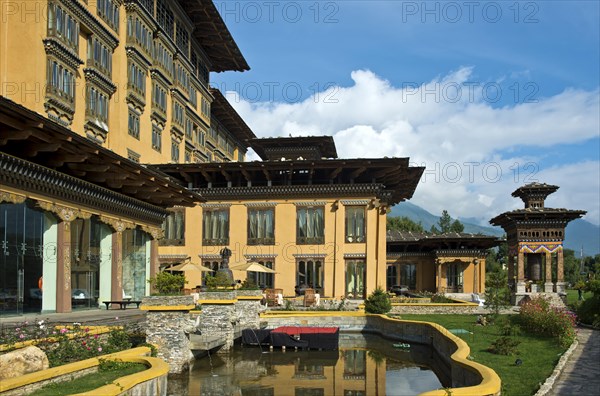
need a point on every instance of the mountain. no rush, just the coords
(583, 233)
(579, 232)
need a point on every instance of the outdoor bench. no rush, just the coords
(123, 304)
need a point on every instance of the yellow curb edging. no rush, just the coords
(217, 302)
(253, 298)
(157, 367)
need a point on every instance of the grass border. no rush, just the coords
(156, 368)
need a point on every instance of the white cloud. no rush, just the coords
(450, 126)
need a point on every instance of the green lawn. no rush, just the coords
(539, 355)
(88, 382)
(573, 296)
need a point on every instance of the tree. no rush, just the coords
(457, 226)
(403, 223)
(446, 224)
(497, 295)
(571, 266)
(496, 257)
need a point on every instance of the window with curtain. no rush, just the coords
(408, 275)
(311, 226)
(355, 224)
(454, 276)
(215, 230)
(261, 224)
(174, 229)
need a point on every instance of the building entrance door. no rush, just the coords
(21, 251)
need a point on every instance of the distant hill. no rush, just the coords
(418, 214)
(583, 233)
(579, 232)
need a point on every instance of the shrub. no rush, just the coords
(248, 284)
(218, 281)
(378, 302)
(440, 299)
(538, 317)
(588, 311)
(167, 283)
(504, 346)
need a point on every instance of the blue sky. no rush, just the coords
(496, 83)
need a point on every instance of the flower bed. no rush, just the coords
(539, 317)
(64, 344)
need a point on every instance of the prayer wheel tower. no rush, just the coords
(535, 238)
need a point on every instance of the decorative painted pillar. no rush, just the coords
(548, 285)
(116, 286)
(520, 272)
(156, 233)
(63, 270)
(476, 276)
(439, 276)
(560, 271)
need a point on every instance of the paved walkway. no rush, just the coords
(88, 316)
(581, 374)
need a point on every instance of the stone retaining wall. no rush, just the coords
(167, 324)
(425, 309)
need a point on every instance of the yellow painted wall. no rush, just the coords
(22, 59)
(285, 247)
(23, 79)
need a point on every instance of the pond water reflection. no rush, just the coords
(364, 365)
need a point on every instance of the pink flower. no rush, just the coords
(99, 349)
(63, 330)
(21, 336)
(95, 336)
(87, 329)
(88, 348)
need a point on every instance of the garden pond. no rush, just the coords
(363, 365)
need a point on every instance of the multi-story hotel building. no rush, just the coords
(116, 157)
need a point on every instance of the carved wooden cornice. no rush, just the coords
(155, 232)
(261, 204)
(64, 213)
(310, 255)
(215, 205)
(260, 256)
(311, 203)
(28, 177)
(117, 224)
(13, 198)
(355, 255)
(355, 202)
